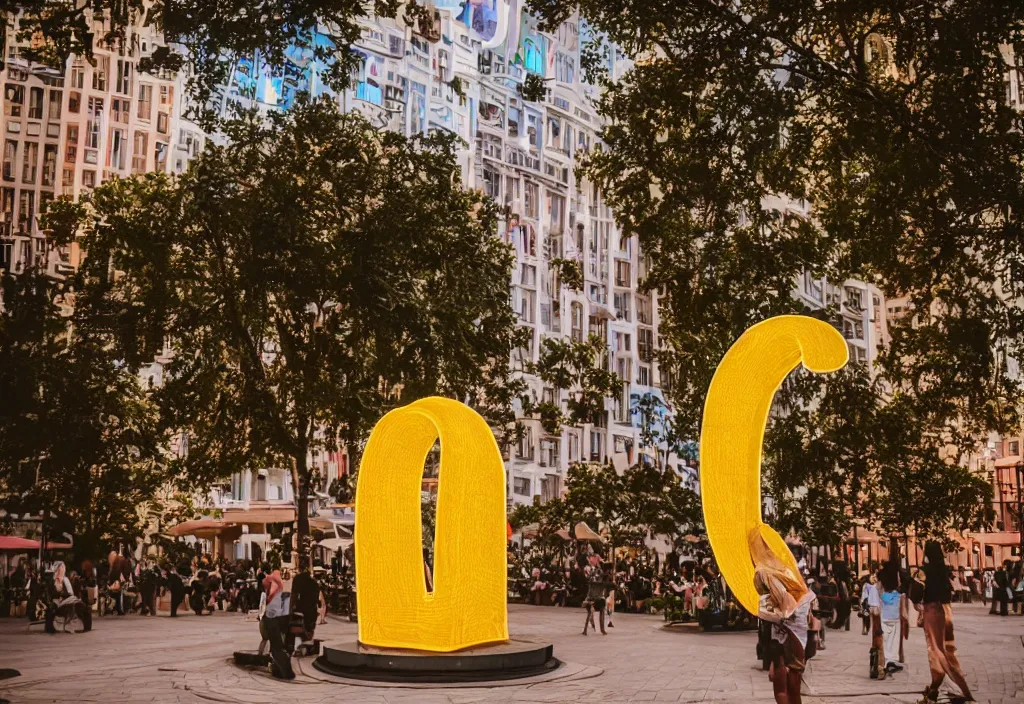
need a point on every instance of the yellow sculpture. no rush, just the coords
(468, 604)
(735, 415)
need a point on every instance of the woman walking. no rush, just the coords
(786, 604)
(597, 588)
(938, 623)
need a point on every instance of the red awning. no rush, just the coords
(13, 542)
(1011, 461)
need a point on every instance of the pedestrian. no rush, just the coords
(785, 602)
(597, 588)
(933, 602)
(119, 578)
(988, 581)
(305, 601)
(176, 587)
(271, 626)
(1001, 590)
(892, 631)
(872, 601)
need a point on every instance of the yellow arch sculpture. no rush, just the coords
(732, 434)
(468, 604)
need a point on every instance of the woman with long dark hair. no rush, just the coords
(938, 623)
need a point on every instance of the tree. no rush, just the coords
(79, 438)
(752, 142)
(310, 276)
(573, 366)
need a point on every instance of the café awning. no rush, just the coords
(14, 543)
(283, 514)
(1011, 461)
(335, 544)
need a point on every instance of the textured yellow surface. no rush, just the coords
(732, 433)
(468, 605)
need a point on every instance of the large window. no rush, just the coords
(49, 164)
(10, 154)
(94, 123)
(35, 103)
(30, 162)
(145, 110)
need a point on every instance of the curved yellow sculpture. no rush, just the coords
(468, 604)
(732, 433)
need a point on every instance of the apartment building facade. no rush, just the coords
(67, 130)
(460, 70)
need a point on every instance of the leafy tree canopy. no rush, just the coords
(752, 142)
(79, 438)
(309, 276)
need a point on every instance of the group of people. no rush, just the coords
(887, 596)
(1004, 586)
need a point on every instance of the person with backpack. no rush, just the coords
(892, 631)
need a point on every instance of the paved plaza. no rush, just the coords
(136, 659)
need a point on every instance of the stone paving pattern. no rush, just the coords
(157, 659)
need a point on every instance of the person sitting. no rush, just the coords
(538, 588)
(60, 599)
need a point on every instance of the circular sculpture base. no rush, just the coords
(501, 661)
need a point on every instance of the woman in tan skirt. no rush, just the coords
(937, 615)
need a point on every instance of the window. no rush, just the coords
(26, 210)
(576, 318)
(29, 163)
(521, 486)
(524, 450)
(528, 275)
(49, 164)
(596, 446)
(532, 196)
(118, 149)
(124, 77)
(145, 102)
(10, 154)
(565, 68)
(72, 150)
(622, 273)
(645, 344)
(160, 157)
(533, 132)
(534, 57)
(74, 101)
(1014, 447)
(139, 152)
(120, 110)
(492, 184)
(556, 211)
(77, 75)
(68, 179)
(53, 112)
(99, 73)
(643, 375)
(35, 103)
(94, 123)
(88, 179)
(14, 98)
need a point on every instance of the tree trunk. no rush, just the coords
(300, 479)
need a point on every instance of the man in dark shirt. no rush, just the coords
(1002, 583)
(305, 601)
